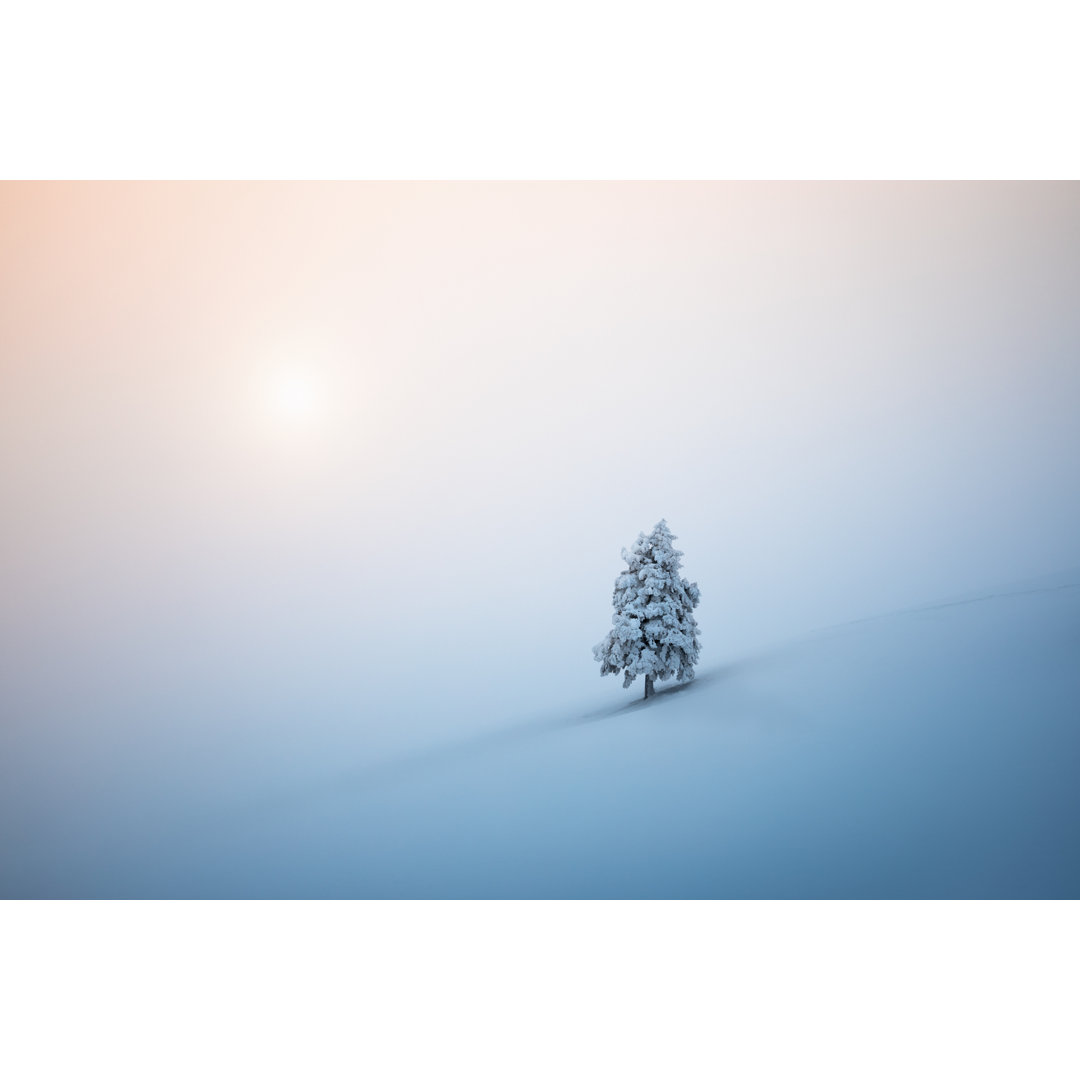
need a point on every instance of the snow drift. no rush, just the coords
(932, 752)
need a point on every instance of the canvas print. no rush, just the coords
(539, 540)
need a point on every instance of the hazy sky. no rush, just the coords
(338, 453)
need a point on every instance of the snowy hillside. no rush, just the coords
(931, 752)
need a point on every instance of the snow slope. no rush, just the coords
(931, 752)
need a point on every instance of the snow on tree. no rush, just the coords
(653, 629)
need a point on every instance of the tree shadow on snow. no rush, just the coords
(736, 706)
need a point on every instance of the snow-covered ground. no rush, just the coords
(930, 752)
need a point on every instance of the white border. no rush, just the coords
(584, 89)
(532, 989)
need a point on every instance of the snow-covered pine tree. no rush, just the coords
(653, 629)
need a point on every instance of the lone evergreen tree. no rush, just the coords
(653, 629)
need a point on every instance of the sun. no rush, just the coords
(296, 397)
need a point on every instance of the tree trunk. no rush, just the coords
(649, 691)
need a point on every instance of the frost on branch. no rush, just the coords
(653, 629)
